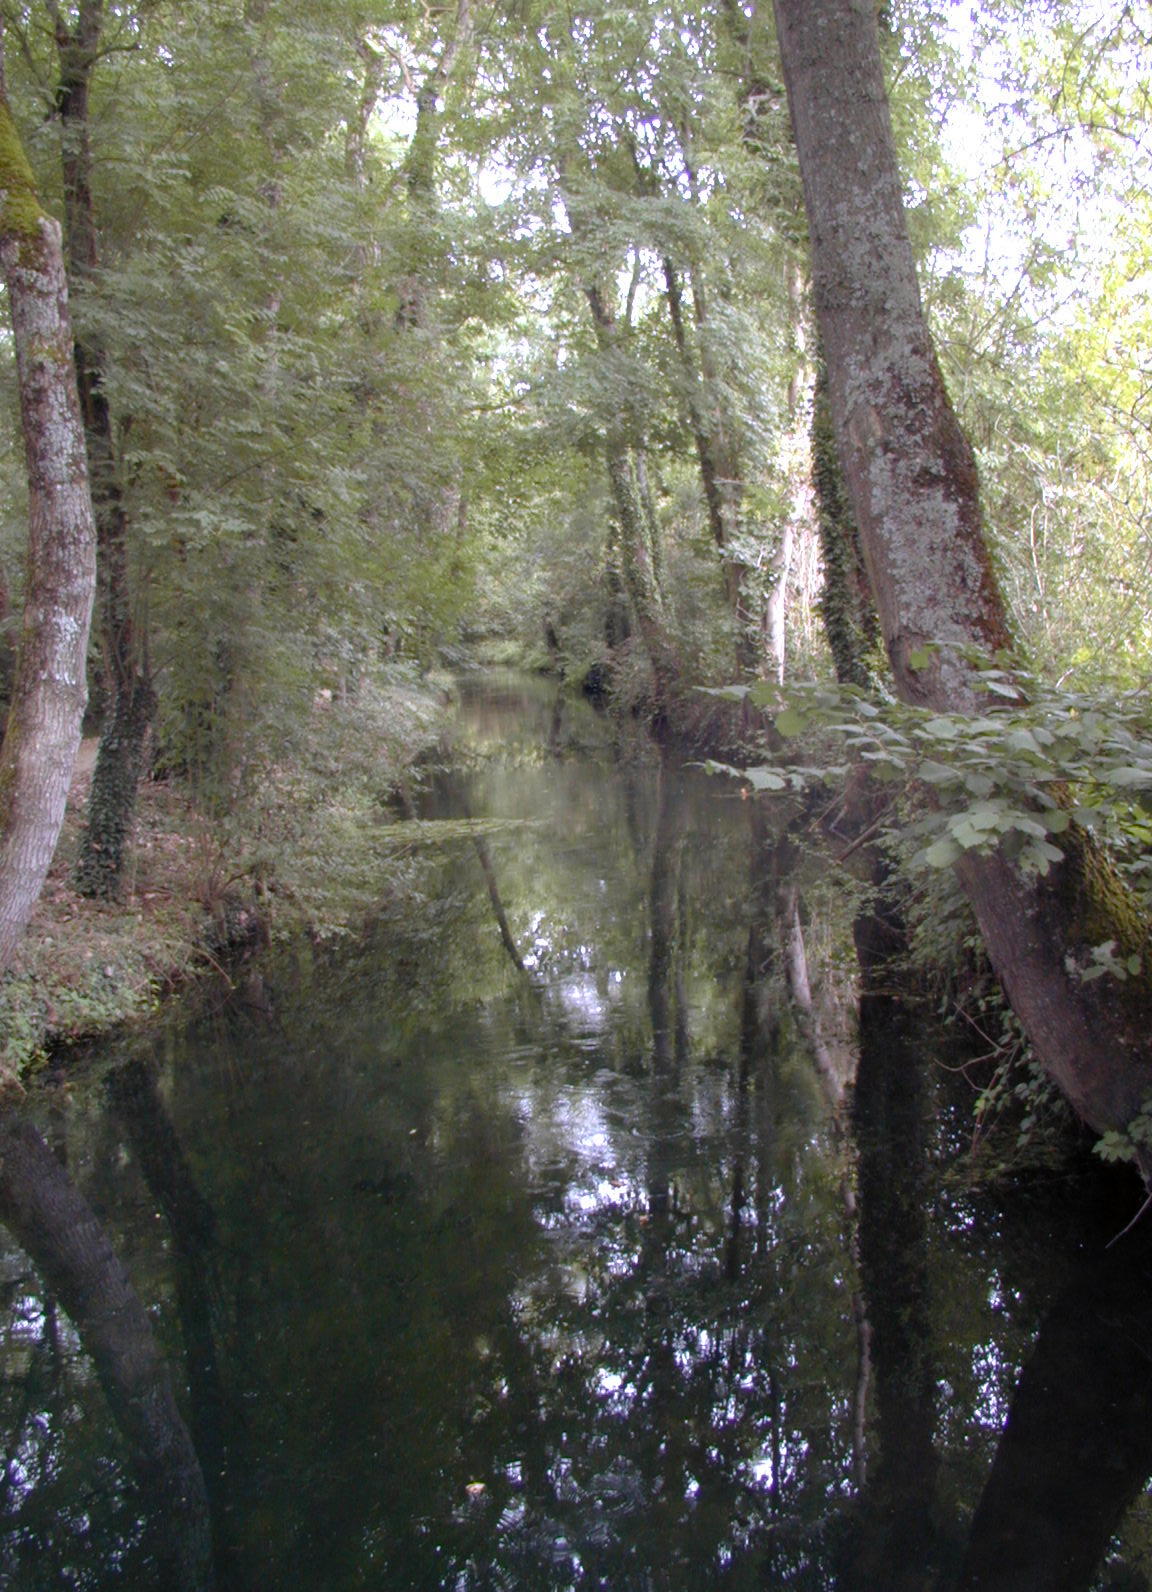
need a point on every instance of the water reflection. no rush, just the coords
(489, 1277)
(1077, 1444)
(56, 1227)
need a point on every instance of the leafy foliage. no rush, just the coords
(1014, 777)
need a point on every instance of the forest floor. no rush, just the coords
(85, 966)
(308, 854)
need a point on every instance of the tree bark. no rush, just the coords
(912, 484)
(848, 613)
(421, 161)
(120, 759)
(50, 690)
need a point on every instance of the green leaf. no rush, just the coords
(728, 693)
(1047, 852)
(762, 694)
(1023, 740)
(1114, 1146)
(765, 779)
(791, 721)
(942, 853)
(986, 815)
(1026, 825)
(1003, 688)
(979, 784)
(966, 834)
(935, 773)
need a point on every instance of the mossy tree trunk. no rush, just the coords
(50, 689)
(131, 700)
(422, 159)
(851, 624)
(640, 566)
(912, 484)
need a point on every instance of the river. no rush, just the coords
(531, 1242)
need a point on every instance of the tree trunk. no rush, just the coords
(420, 164)
(120, 759)
(50, 689)
(720, 475)
(639, 573)
(846, 607)
(912, 484)
(639, 540)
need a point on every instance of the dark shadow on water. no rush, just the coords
(1077, 1446)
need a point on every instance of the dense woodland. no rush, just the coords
(775, 376)
(416, 337)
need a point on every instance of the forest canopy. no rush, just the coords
(380, 293)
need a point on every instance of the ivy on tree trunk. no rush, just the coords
(131, 700)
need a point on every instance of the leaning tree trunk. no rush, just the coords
(912, 483)
(50, 689)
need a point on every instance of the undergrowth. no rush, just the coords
(307, 847)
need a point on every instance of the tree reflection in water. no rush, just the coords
(58, 1230)
(494, 1280)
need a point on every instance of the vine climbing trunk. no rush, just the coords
(640, 568)
(50, 689)
(912, 484)
(848, 613)
(131, 699)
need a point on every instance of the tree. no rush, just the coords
(127, 678)
(50, 690)
(912, 483)
(1041, 325)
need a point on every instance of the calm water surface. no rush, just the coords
(582, 1273)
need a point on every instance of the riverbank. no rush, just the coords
(305, 852)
